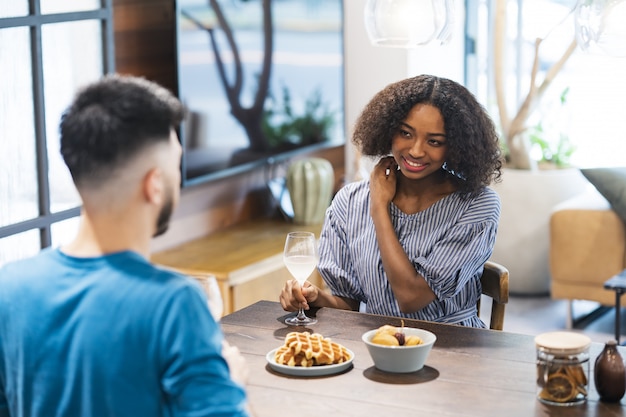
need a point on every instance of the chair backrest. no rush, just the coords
(495, 283)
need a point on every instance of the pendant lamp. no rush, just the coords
(408, 23)
(601, 26)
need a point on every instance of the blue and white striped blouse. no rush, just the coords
(448, 243)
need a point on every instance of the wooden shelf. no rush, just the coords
(246, 259)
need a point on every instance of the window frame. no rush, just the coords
(35, 21)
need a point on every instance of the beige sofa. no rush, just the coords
(587, 247)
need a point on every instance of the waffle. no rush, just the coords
(306, 349)
(286, 356)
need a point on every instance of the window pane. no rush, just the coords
(62, 6)
(595, 107)
(13, 8)
(63, 232)
(18, 179)
(72, 57)
(593, 110)
(19, 246)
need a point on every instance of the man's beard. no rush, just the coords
(163, 221)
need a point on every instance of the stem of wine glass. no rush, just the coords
(301, 316)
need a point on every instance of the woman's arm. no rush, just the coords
(409, 288)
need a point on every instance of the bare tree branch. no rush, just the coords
(498, 59)
(264, 78)
(232, 91)
(513, 129)
(518, 124)
(250, 118)
(558, 66)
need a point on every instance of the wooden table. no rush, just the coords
(469, 372)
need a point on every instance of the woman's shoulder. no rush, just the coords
(484, 205)
(353, 197)
(353, 190)
(488, 194)
(355, 186)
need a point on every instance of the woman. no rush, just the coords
(412, 240)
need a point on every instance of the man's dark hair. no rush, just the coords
(111, 121)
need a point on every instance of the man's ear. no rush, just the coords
(153, 187)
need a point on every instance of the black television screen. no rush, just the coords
(260, 84)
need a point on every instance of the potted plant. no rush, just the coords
(528, 191)
(284, 127)
(552, 148)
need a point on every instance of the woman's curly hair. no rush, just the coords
(473, 158)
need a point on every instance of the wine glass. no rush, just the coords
(214, 296)
(300, 257)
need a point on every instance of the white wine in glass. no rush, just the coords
(300, 257)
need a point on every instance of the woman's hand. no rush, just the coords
(293, 295)
(383, 183)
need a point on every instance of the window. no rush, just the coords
(595, 84)
(48, 48)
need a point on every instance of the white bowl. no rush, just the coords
(400, 359)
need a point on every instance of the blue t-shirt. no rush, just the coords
(109, 336)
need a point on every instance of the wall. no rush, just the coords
(145, 45)
(210, 207)
(145, 38)
(370, 68)
(367, 70)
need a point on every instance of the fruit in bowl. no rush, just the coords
(399, 349)
(393, 336)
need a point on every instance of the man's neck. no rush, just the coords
(101, 236)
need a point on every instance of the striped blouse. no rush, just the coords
(448, 243)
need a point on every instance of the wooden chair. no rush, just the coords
(495, 283)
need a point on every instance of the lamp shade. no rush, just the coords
(601, 26)
(408, 23)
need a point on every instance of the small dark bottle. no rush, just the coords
(610, 374)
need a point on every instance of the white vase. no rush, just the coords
(523, 240)
(310, 184)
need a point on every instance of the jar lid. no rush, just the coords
(563, 342)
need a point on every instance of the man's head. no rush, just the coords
(118, 141)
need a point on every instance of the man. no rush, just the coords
(92, 328)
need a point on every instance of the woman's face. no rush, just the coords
(419, 147)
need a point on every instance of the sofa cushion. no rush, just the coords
(611, 183)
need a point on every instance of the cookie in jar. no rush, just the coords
(562, 368)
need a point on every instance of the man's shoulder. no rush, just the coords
(52, 263)
(29, 265)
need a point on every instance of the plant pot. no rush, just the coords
(523, 241)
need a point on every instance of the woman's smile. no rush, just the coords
(414, 166)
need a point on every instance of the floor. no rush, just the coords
(535, 315)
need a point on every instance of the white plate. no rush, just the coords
(310, 371)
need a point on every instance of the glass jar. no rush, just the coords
(562, 368)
